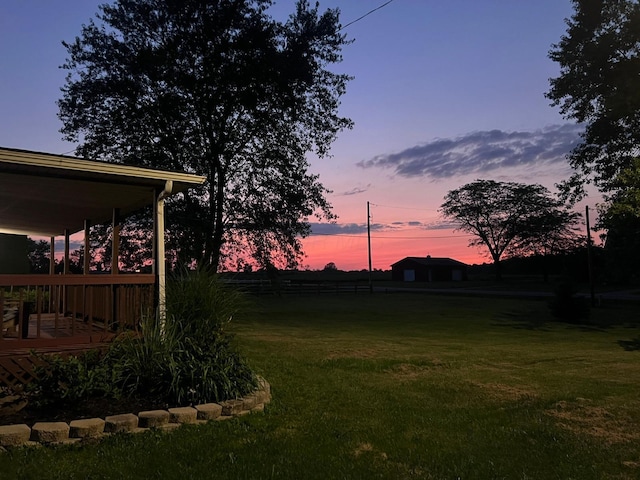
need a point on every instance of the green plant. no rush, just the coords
(187, 358)
(68, 379)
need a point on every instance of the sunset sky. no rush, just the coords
(445, 92)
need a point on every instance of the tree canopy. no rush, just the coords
(510, 218)
(620, 218)
(220, 89)
(599, 85)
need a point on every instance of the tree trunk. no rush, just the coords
(215, 244)
(498, 268)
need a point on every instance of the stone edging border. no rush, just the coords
(91, 429)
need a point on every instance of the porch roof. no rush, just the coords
(45, 194)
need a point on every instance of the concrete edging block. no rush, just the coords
(50, 432)
(183, 415)
(231, 407)
(153, 418)
(125, 422)
(249, 402)
(14, 435)
(209, 411)
(90, 427)
(93, 429)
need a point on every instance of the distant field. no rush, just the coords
(382, 279)
(403, 386)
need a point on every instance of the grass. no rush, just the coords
(402, 386)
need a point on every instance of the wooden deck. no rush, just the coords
(17, 363)
(53, 326)
(96, 308)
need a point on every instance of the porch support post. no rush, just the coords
(87, 245)
(85, 267)
(115, 248)
(115, 243)
(66, 251)
(65, 271)
(160, 259)
(52, 271)
(52, 257)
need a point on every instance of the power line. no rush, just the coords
(405, 208)
(346, 235)
(420, 238)
(365, 15)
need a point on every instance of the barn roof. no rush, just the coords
(431, 262)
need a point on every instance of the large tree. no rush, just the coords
(217, 88)
(599, 85)
(39, 253)
(620, 218)
(510, 218)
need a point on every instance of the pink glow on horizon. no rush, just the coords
(351, 252)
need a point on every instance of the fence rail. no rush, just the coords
(300, 287)
(57, 306)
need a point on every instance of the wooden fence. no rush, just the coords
(300, 287)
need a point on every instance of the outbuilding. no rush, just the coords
(428, 269)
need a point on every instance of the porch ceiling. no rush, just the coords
(43, 194)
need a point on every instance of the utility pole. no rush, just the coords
(591, 288)
(369, 245)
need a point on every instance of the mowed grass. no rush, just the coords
(402, 386)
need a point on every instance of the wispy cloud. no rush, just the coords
(341, 228)
(481, 152)
(361, 228)
(356, 190)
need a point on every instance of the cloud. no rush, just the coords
(341, 228)
(356, 190)
(361, 228)
(413, 225)
(482, 152)
(73, 245)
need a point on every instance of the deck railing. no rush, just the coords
(55, 306)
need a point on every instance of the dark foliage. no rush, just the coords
(511, 219)
(598, 85)
(188, 358)
(567, 307)
(219, 89)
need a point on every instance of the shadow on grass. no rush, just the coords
(541, 321)
(630, 345)
(521, 320)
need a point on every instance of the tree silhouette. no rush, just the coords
(221, 89)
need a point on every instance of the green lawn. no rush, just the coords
(402, 386)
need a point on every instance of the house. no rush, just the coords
(13, 254)
(55, 196)
(428, 269)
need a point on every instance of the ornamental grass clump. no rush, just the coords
(188, 358)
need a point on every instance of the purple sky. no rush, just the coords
(445, 92)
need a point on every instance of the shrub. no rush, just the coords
(566, 306)
(68, 379)
(188, 358)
